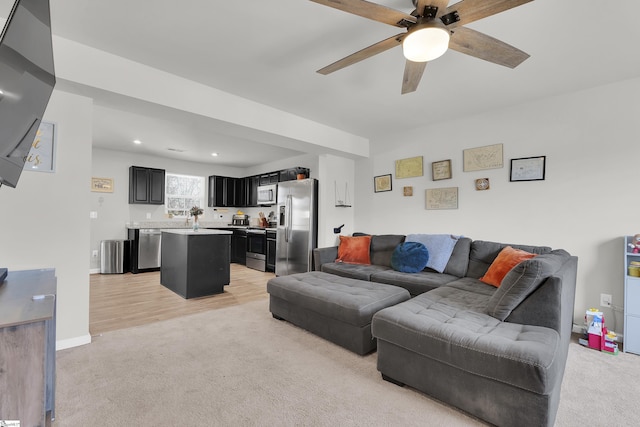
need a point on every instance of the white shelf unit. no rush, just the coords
(631, 302)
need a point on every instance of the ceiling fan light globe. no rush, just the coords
(425, 44)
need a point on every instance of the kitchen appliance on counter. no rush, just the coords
(297, 228)
(267, 194)
(257, 249)
(240, 219)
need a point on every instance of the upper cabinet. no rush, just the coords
(293, 174)
(225, 191)
(146, 185)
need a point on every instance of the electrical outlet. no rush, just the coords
(94, 253)
(605, 300)
(148, 215)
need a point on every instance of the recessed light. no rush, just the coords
(214, 154)
(137, 141)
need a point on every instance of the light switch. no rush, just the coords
(148, 215)
(93, 215)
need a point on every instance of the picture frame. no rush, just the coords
(441, 170)
(41, 157)
(382, 183)
(407, 191)
(481, 158)
(441, 198)
(409, 168)
(528, 169)
(102, 185)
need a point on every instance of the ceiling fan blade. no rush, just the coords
(370, 10)
(474, 43)
(365, 53)
(412, 74)
(472, 10)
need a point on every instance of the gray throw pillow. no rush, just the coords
(522, 280)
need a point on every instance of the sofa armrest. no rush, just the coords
(324, 256)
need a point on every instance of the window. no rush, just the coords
(182, 192)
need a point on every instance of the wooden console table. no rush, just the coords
(28, 347)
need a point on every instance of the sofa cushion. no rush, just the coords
(483, 253)
(440, 247)
(505, 261)
(438, 326)
(459, 261)
(382, 247)
(354, 250)
(354, 271)
(410, 257)
(415, 283)
(523, 280)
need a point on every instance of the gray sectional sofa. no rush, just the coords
(496, 353)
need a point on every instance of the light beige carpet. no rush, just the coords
(238, 366)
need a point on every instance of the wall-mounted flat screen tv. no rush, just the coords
(27, 78)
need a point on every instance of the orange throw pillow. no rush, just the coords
(354, 250)
(505, 261)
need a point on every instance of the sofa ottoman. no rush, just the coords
(336, 308)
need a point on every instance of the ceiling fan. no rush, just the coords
(431, 29)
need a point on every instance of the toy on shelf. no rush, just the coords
(634, 246)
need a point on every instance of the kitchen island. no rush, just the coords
(195, 263)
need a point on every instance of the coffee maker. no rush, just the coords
(238, 219)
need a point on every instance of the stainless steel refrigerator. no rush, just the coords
(297, 226)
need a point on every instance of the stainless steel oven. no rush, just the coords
(257, 249)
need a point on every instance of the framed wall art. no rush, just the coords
(41, 157)
(441, 170)
(409, 168)
(442, 198)
(407, 191)
(102, 185)
(481, 158)
(382, 183)
(528, 169)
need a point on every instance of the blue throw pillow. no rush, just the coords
(410, 257)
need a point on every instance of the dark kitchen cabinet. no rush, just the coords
(225, 191)
(239, 247)
(146, 185)
(271, 250)
(269, 178)
(292, 174)
(252, 182)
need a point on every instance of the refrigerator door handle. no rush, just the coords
(289, 218)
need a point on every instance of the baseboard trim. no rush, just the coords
(94, 271)
(73, 342)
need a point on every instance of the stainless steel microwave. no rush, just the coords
(267, 194)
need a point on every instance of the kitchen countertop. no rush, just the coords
(181, 225)
(196, 233)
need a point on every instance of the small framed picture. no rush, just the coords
(441, 170)
(528, 169)
(382, 183)
(407, 191)
(102, 185)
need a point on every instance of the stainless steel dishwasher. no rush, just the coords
(149, 243)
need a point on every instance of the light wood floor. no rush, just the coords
(121, 301)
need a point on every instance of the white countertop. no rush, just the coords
(196, 233)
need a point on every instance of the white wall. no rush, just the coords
(44, 222)
(337, 173)
(586, 203)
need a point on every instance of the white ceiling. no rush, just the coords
(268, 51)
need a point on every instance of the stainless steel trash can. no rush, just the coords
(112, 257)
